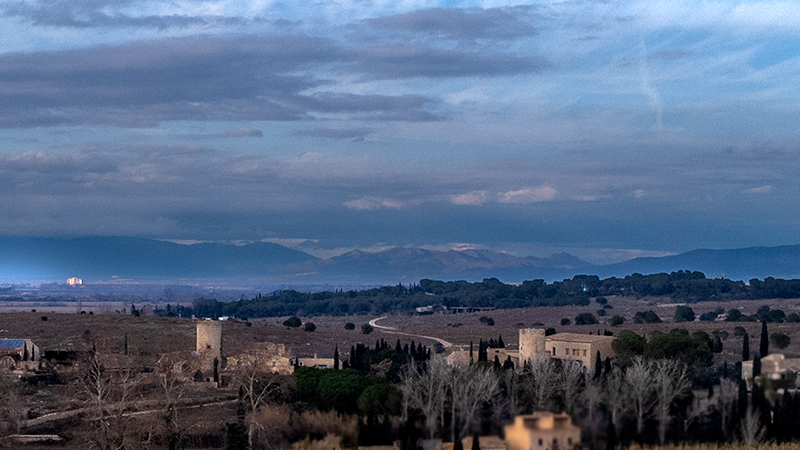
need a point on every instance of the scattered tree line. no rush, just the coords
(680, 286)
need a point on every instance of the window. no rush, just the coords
(540, 442)
(569, 441)
(584, 352)
(566, 351)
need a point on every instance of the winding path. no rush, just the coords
(393, 330)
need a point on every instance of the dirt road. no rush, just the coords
(393, 330)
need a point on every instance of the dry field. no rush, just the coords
(151, 335)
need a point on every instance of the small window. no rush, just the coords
(540, 442)
(566, 351)
(584, 352)
(569, 441)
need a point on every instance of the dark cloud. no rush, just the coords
(406, 61)
(471, 25)
(670, 54)
(243, 132)
(199, 78)
(103, 13)
(336, 133)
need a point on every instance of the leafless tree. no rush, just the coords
(593, 396)
(108, 386)
(572, 384)
(258, 385)
(615, 397)
(750, 428)
(544, 378)
(512, 381)
(727, 394)
(470, 388)
(699, 408)
(426, 390)
(638, 383)
(670, 382)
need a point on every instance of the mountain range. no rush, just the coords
(101, 258)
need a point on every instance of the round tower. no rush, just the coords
(531, 345)
(209, 338)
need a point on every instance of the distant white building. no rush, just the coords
(74, 281)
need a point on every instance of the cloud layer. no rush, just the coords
(632, 125)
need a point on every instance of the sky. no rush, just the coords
(606, 129)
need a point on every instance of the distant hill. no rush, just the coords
(411, 264)
(738, 264)
(104, 257)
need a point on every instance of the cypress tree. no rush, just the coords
(508, 365)
(756, 365)
(746, 347)
(497, 364)
(476, 445)
(598, 366)
(458, 445)
(500, 342)
(764, 348)
(336, 358)
(471, 358)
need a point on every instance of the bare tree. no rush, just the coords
(572, 384)
(512, 381)
(108, 386)
(425, 388)
(470, 388)
(670, 382)
(751, 430)
(258, 385)
(699, 408)
(592, 419)
(640, 390)
(615, 397)
(727, 394)
(542, 382)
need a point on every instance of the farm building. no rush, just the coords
(542, 431)
(18, 353)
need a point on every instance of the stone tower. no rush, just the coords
(531, 345)
(209, 339)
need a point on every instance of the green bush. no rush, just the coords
(617, 320)
(585, 319)
(350, 326)
(780, 340)
(684, 314)
(646, 317)
(566, 321)
(293, 322)
(367, 328)
(309, 326)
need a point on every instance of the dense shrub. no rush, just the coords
(367, 328)
(617, 320)
(566, 321)
(293, 322)
(585, 319)
(684, 314)
(350, 326)
(646, 317)
(780, 340)
(309, 326)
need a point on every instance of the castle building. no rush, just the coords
(583, 348)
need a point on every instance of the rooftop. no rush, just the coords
(577, 337)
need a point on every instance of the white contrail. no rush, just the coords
(648, 90)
